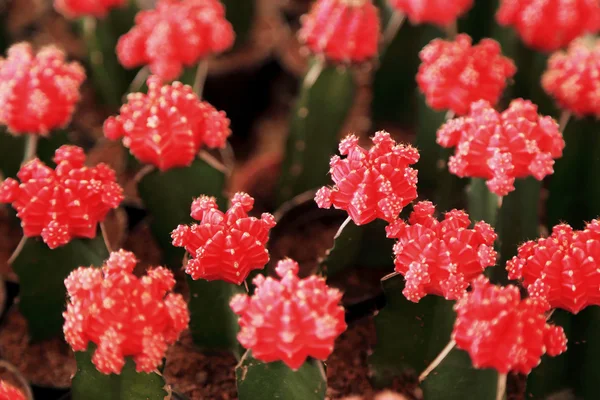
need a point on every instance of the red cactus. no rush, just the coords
(440, 258)
(438, 12)
(500, 147)
(551, 24)
(176, 34)
(9, 392)
(371, 184)
(38, 92)
(64, 203)
(125, 316)
(563, 268)
(572, 78)
(289, 319)
(225, 246)
(342, 30)
(167, 126)
(501, 331)
(82, 8)
(454, 74)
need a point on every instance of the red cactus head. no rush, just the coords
(125, 316)
(454, 74)
(167, 126)
(371, 184)
(501, 331)
(501, 147)
(551, 24)
(438, 12)
(65, 203)
(342, 30)
(82, 8)
(174, 35)
(563, 268)
(225, 246)
(571, 78)
(38, 92)
(440, 257)
(290, 319)
(9, 392)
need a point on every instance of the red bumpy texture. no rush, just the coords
(9, 392)
(377, 183)
(439, 12)
(289, 319)
(167, 126)
(563, 268)
(342, 30)
(64, 203)
(440, 257)
(501, 331)
(174, 35)
(454, 74)
(548, 25)
(500, 147)
(83, 8)
(224, 246)
(125, 316)
(38, 92)
(572, 78)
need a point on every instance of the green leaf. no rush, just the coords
(258, 380)
(575, 185)
(213, 324)
(168, 197)
(456, 379)
(42, 271)
(483, 204)
(90, 384)
(518, 221)
(317, 119)
(241, 14)
(12, 149)
(409, 335)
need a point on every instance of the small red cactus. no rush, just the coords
(550, 24)
(342, 30)
(82, 8)
(289, 319)
(563, 268)
(503, 146)
(125, 316)
(64, 203)
(176, 34)
(501, 331)
(377, 183)
(167, 126)
(442, 257)
(9, 392)
(225, 246)
(438, 12)
(572, 78)
(38, 92)
(454, 74)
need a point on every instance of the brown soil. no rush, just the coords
(48, 363)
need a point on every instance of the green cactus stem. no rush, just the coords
(101, 35)
(90, 384)
(213, 324)
(258, 380)
(42, 272)
(483, 205)
(326, 96)
(168, 196)
(242, 15)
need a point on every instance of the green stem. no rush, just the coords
(483, 205)
(31, 148)
(200, 79)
